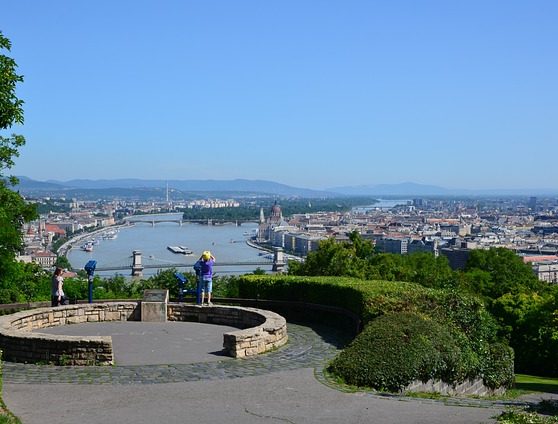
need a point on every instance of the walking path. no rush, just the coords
(282, 386)
(306, 349)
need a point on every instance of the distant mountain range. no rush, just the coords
(139, 188)
(157, 188)
(414, 189)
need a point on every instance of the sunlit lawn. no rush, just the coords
(531, 383)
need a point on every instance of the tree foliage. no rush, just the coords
(332, 258)
(525, 308)
(357, 258)
(23, 282)
(14, 211)
(11, 107)
(444, 333)
(497, 271)
(530, 322)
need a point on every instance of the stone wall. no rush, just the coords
(21, 340)
(21, 343)
(467, 388)
(261, 331)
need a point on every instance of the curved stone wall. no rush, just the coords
(259, 332)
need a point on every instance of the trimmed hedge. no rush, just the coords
(397, 349)
(467, 332)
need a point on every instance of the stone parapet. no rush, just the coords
(21, 340)
(260, 330)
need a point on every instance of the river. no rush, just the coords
(381, 204)
(226, 242)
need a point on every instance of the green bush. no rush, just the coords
(397, 349)
(498, 369)
(465, 329)
(370, 299)
(76, 288)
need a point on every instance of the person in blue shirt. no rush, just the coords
(204, 271)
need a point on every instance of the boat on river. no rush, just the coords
(186, 251)
(180, 249)
(110, 235)
(87, 247)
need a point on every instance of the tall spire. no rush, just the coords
(262, 217)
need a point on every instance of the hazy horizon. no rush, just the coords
(420, 189)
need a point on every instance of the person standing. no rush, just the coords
(57, 296)
(204, 266)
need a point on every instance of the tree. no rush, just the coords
(11, 110)
(429, 270)
(337, 259)
(25, 282)
(530, 321)
(63, 262)
(14, 211)
(507, 272)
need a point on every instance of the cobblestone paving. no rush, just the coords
(307, 348)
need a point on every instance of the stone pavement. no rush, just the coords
(286, 385)
(306, 349)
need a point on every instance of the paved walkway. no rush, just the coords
(282, 386)
(307, 348)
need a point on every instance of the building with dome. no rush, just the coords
(267, 225)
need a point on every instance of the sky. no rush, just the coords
(315, 94)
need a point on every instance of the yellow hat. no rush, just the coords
(206, 255)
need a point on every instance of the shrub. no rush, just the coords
(397, 349)
(498, 368)
(464, 328)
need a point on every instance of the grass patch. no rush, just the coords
(527, 384)
(524, 417)
(545, 412)
(531, 383)
(524, 384)
(7, 418)
(426, 395)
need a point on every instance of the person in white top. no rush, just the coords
(57, 288)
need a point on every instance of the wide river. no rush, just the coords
(226, 242)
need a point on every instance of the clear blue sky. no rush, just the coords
(461, 94)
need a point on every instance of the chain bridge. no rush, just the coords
(136, 265)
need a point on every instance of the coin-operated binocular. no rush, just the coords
(90, 269)
(182, 290)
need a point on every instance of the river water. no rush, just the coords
(381, 204)
(226, 242)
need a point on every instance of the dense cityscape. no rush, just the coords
(449, 227)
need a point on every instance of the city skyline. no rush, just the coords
(314, 95)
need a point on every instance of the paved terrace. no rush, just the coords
(175, 373)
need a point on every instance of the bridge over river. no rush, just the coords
(136, 266)
(178, 218)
